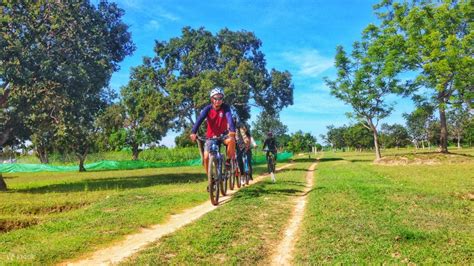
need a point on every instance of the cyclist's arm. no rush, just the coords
(252, 142)
(200, 119)
(230, 121)
(265, 144)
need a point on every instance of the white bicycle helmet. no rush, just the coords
(217, 90)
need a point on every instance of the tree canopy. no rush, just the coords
(436, 39)
(58, 57)
(187, 67)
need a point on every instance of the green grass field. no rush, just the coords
(413, 208)
(48, 217)
(359, 212)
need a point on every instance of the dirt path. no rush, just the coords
(284, 252)
(134, 243)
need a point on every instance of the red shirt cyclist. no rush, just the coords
(219, 122)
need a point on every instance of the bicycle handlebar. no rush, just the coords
(221, 137)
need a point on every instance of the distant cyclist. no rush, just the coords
(219, 122)
(270, 145)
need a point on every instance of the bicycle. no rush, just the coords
(245, 177)
(271, 165)
(217, 180)
(270, 162)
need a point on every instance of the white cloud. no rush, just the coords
(161, 12)
(131, 4)
(149, 10)
(308, 62)
(152, 25)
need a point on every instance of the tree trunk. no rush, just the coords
(376, 144)
(423, 144)
(459, 141)
(135, 152)
(443, 139)
(3, 185)
(82, 157)
(42, 154)
(376, 141)
(81, 164)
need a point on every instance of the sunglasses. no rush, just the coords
(218, 98)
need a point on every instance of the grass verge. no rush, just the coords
(359, 212)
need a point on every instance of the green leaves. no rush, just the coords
(188, 67)
(437, 42)
(60, 56)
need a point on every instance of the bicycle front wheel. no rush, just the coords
(213, 177)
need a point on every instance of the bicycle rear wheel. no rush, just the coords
(231, 179)
(213, 177)
(223, 181)
(237, 177)
(247, 170)
(273, 164)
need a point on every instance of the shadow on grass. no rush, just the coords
(358, 161)
(305, 160)
(259, 191)
(118, 183)
(421, 152)
(268, 188)
(11, 177)
(292, 170)
(330, 159)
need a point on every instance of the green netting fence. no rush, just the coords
(115, 165)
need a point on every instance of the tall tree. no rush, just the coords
(148, 110)
(438, 43)
(189, 66)
(365, 79)
(66, 51)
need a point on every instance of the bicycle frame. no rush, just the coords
(216, 178)
(215, 151)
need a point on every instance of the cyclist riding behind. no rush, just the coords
(270, 145)
(253, 145)
(244, 144)
(219, 122)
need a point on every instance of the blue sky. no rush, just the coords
(298, 36)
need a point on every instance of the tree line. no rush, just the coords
(421, 131)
